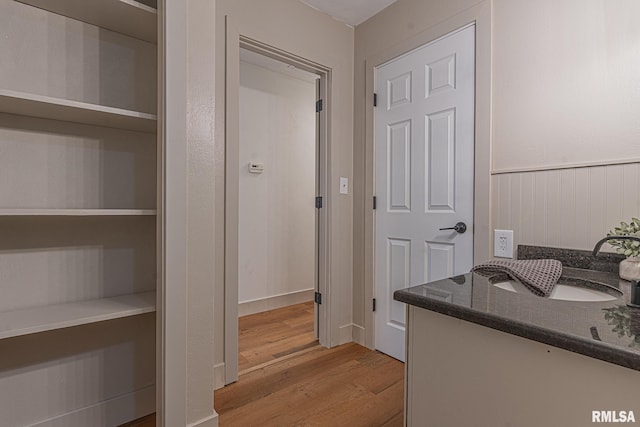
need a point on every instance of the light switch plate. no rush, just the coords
(503, 243)
(344, 185)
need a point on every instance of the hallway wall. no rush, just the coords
(277, 213)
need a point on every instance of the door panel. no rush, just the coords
(440, 75)
(399, 89)
(439, 161)
(399, 275)
(439, 261)
(399, 167)
(424, 151)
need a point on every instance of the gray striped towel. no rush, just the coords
(538, 275)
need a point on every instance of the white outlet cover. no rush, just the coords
(503, 243)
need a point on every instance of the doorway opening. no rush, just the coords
(277, 233)
(276, 227)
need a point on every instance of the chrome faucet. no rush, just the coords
(598, 245)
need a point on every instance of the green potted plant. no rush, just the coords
(630, 266)
(625, 322)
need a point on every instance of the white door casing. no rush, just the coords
(424, 168)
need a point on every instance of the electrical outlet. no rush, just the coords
(503, 243)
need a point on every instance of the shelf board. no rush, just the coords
(77, 212)
(46, 107)
(122, 16)
(50, 317)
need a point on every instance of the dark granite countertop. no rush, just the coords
(580, 327)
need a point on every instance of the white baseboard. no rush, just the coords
(346, 334)
(276, 301)
(112, 412)
(219, 379)
(210, 421)
(358, 334)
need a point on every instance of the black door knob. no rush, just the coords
(460, 227)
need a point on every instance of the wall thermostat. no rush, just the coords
(255, 167)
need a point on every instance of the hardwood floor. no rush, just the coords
(343, 386)
(148, 421)
(287, 379)
(268, 336)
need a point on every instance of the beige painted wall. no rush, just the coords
(298, 29)
(564, 94)
(566, 78)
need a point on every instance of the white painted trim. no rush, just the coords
(346, 334)
(231, 201)
(171, 354)
(219, 375)
(210, 421)
(233, 42)
(566, 166)
(116, 411)
(358, 334)
(276, 301)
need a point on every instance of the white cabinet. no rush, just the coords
(78, 178)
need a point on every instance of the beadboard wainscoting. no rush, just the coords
(570, 208)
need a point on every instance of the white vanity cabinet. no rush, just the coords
(460, 373)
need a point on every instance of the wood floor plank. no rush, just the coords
(148, 421)
(296, 370)
(269, 335)
(347, 385)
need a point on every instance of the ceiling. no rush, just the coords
(351, 12)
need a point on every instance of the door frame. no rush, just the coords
(479, 15)
(235, 41)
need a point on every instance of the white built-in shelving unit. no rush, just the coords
(78, 207)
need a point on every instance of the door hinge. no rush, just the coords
(375, 99)
(374, 304)
(317, 298)
(318, 105)
(375, 202)
(318, 202)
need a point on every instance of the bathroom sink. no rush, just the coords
(568, 289)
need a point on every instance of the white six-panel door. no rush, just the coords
(424, 158)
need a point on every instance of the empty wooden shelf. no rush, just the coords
(47, 107)
(123, 16)
(77, 212)
(46, 318)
